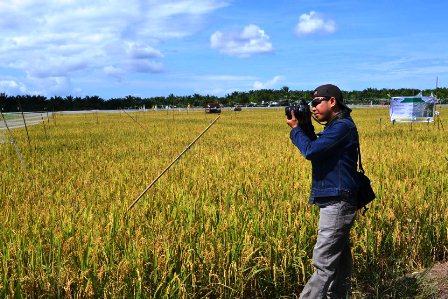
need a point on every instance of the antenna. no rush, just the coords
(437, 86)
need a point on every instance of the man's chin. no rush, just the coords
(322, 118)
(319, 117)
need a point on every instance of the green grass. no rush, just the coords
(11, 116)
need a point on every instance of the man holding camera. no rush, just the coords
(333, 155)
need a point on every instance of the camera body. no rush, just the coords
(301, 112)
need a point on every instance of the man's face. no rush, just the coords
(322, 107)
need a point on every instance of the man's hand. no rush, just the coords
(293, 122)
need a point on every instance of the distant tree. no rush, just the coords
(284, 95)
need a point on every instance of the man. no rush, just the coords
(333, 156)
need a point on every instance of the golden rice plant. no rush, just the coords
(229, 220)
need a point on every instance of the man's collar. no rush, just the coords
(337, 116)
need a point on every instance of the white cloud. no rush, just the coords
(143, 51)
(314, 23)
(38, 86)
(12, 87)
(46, 39)
(41, 67)
(144, 66)
(49, 86)
(113, 71)
(251, 40)
(268, 84)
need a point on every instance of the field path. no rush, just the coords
(438, 278)
(15, 120)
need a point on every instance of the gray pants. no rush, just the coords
(332, 257)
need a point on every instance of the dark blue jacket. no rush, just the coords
(334, 156)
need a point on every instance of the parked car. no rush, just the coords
(213, 108)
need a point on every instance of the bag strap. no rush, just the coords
(359, 157)
(361, 169)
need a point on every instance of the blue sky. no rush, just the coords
(145, 48)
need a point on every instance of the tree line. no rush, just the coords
(264, 97)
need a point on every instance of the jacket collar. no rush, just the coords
(341, 114)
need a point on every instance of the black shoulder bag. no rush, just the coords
(365, 191)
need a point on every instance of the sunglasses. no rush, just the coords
(317, 101)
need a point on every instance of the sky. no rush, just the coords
(147, 48)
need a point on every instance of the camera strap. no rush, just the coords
(341, 114)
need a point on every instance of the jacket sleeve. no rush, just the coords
(330, 138)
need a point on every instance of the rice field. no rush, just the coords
(229, 220)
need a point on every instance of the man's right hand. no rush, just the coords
(293, 122)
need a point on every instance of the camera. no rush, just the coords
(301, 112)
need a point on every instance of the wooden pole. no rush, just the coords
(134, 119)
(171, 164)
(24, 122)
(43, 122)
(13, 140)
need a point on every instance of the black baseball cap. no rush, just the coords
(330, 90)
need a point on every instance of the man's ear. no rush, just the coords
(333, 102)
